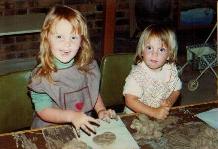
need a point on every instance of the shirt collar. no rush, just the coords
(163, 75)
(61, 65)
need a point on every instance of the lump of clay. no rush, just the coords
(105, 138)
(146, 128)
(75, 144)
(207, 138)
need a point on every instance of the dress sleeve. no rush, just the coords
(132, 87)
(178, 85)
(40, 101)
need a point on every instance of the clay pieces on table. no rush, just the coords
(75, 144)
(150, 132)
(150, 129)
(57, 137)
(113, 135)
(105, 138)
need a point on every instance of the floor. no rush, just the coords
(207, 89)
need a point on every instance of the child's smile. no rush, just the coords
(65, 53)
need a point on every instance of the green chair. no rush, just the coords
(114, 70)
(16, 107)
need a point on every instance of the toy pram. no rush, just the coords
(202, 57)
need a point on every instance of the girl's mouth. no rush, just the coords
(154, 61)
(65, 54)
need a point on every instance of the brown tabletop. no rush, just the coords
(185, 113)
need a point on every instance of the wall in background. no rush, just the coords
(27, 45)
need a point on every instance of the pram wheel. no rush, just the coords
(192, 85)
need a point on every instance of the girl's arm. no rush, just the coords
(99, 106)
(169, 102)
(79, 119)
(133, 103)
(102, 112)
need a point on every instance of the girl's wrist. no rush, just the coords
(68, 115)
(169, 102)
(101, 110)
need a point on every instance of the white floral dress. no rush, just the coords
(152, 86)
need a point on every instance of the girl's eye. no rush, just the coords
(73, 37)
(59, 37)
(148, 47)
(162, 50)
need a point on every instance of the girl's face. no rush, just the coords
(155, 53)
(64, 44)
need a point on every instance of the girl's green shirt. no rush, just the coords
(42, 100)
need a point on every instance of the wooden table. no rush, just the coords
(7, 141)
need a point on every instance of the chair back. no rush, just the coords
(16, 107)
(114, 70)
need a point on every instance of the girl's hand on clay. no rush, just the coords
(106, 115)
(82, 121)
(161, 112)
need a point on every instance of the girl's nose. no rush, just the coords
(68, 43)
(154, 53)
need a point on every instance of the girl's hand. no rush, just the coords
(161, 112)
(82, 121)
(166, 103)
(106, 115)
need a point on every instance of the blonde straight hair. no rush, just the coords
(165, 34)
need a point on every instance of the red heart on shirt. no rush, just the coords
(79, 105)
